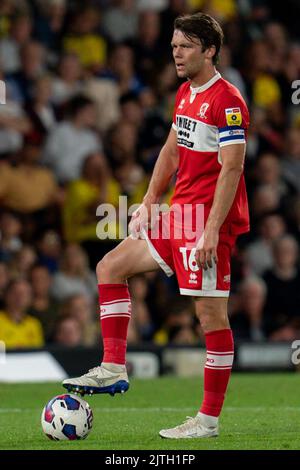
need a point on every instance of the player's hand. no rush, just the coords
(139, 221)
(206, 249)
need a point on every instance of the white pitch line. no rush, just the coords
(168, 409)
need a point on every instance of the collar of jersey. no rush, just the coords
(206, 85)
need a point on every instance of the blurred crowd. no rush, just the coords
(90, 88)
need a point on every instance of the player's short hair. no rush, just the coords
(203, 27)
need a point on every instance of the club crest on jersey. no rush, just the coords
(233, 116)
(203, 109)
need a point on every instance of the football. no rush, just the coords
(67, 417)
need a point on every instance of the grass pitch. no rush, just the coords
(262, 411)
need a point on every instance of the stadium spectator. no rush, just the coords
(263, 88)
(105, 94)
(7, 10)
(142, 111)
(49, 247)
(262, 135)
(68, 332)
(248, 321)
(42, 305)
(30, 190)
(259, 253)
(286, 76)
(146, 45)
(19, 330)
(165, 88)
(14, 125)
(123, 149)
(22, 262)
(153, 129)
(179, 326)
(83, 310)
(230, 73)
(74, 276)
(120, 21)
(71, 140)
(141, 314)
(96, 186)
(83, 38)
(268, 171)
(268, 188)
(266, 199)
(277, 41)
(33, 65)
(40, 109)
(10, 231)
(121, 69)
(49, 24)
(282, 319)
(67, 83)
(19, 34)
(131, 110)
(291, 162)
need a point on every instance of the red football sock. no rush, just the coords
(115, 310)
(220, 350)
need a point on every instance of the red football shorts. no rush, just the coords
(177, 255)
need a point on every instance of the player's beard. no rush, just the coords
(182, 74)
(185, 73)
(189, 72)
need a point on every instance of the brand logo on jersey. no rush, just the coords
(226, 278)
(183, 134)
(185, 131)
(203, 110)
(193, 278)
(236, 132)
(181, 104)
(233, 116)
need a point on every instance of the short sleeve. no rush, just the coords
(231, 118)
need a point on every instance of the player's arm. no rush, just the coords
(233, 157)
(165, 167)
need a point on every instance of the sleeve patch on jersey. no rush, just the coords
(233, 116)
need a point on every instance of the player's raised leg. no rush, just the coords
(212, 314)
(130, 257)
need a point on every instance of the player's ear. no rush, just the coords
(210, 52)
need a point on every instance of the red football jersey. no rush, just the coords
(205, 119)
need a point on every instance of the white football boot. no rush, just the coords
(200, 426)
(107, 378)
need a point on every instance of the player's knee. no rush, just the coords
(104, 269)
(111, 270)
(211, 318)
